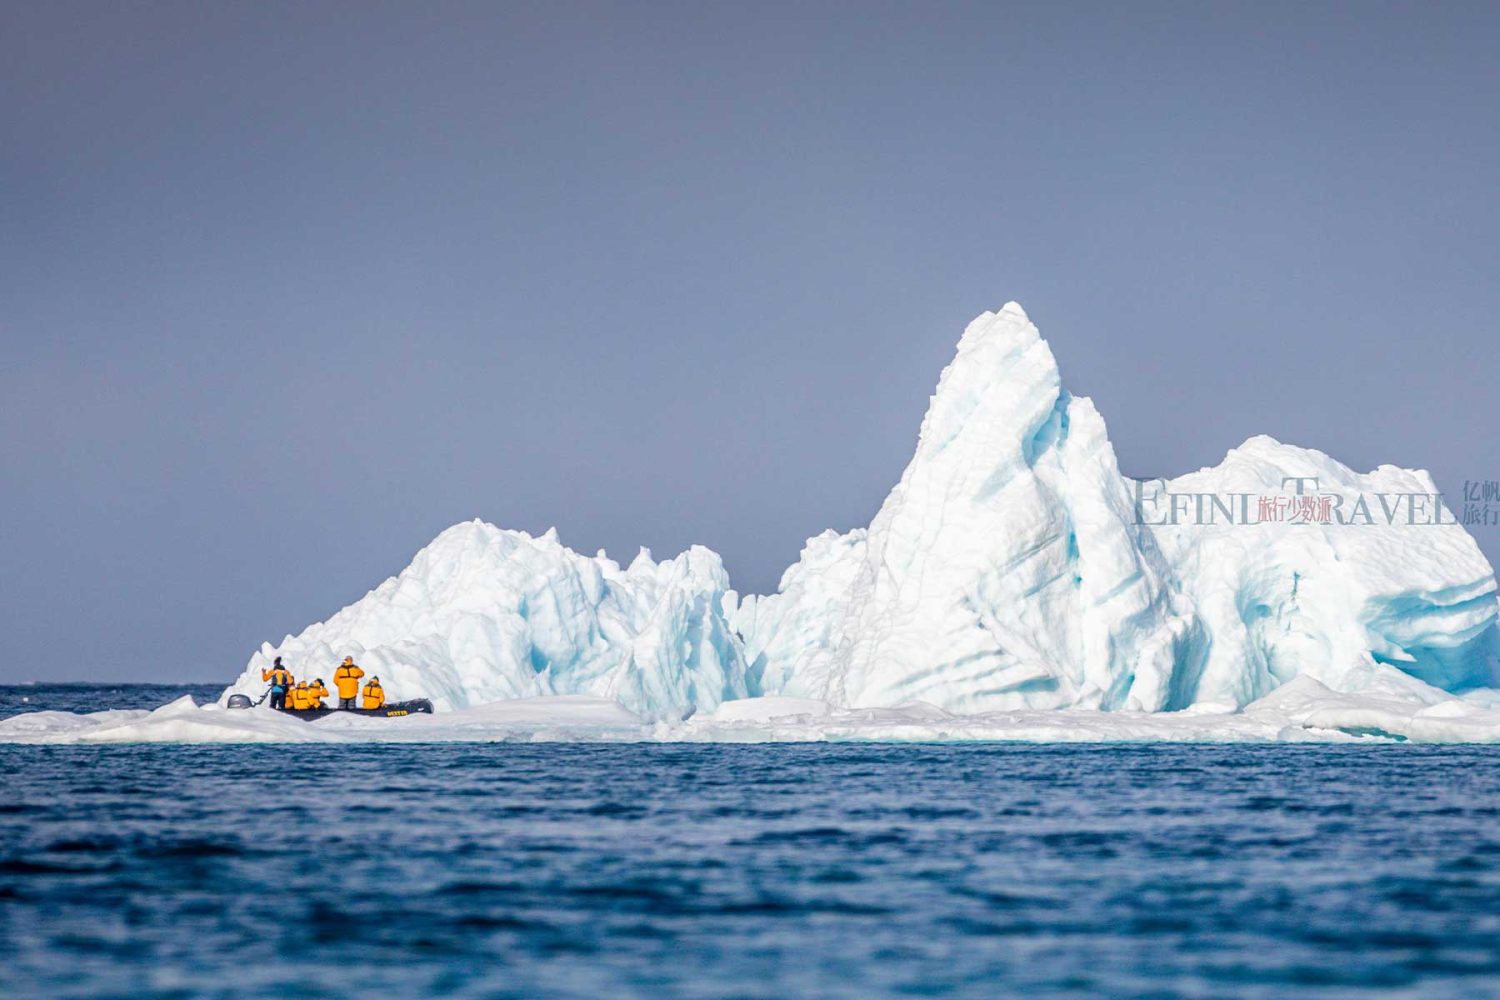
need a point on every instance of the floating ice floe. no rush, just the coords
(1302, 710)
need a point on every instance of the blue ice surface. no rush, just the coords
(649, 870)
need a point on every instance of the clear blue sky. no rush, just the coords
(286, 289)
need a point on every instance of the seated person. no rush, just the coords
(374, 694)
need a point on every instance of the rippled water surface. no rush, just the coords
(750, 871)
(18, 698)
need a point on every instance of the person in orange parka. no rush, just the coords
(346, 679)
(374, 694)
(316, 692)
(281, 683)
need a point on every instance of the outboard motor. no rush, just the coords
(239, 701)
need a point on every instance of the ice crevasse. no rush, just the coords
(1012, 567)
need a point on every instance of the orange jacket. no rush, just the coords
(374, 696)
(316, 692)
(297, 697)
(346, 679)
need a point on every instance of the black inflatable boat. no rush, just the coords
(396, 709)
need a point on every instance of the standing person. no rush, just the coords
(374, 694)
(316, 692)
(346, 679)
(281, 682)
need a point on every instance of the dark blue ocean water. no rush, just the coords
(18, 698)
(521, 870)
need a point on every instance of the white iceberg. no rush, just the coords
(1013, 569)
(483, 614)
